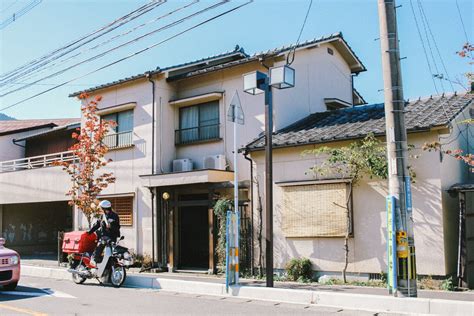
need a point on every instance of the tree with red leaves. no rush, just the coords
(89, 152)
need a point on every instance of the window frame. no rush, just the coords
(117, 134)
(199, 139)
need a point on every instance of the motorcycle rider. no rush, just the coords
(109, 225)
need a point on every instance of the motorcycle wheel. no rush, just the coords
(76, 278)
(117, 275)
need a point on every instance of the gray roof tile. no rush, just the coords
(358, 121)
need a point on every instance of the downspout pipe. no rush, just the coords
(245, 153)
(152, 191)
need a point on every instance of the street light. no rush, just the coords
(257, 82)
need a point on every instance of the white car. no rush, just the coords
(9, 267)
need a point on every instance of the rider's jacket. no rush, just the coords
(109, 226)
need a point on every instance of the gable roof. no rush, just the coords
(239, 57)
(18, 126)
(357, 122)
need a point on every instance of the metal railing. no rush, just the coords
(118, 140)
(196, 134)
(36, 161)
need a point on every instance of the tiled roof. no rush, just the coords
(357, 122)
(17, 126)
(69, 126)
(273, 52)
(241, 56)
(238, 52)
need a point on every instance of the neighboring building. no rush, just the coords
(173, 137)
(308, 222)
(33, 206)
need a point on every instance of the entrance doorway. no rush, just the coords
(193, 237)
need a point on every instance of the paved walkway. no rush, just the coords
(199, 277)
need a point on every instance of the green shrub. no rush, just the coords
(447, 284)
(299, 269)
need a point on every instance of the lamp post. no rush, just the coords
(257, 82)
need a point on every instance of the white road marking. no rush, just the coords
(44, 292)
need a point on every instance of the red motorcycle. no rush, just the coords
(112, 268)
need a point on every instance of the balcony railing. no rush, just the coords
(119, 140)
(196, 134)
(35, 162)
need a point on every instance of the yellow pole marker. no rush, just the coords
(22, 310)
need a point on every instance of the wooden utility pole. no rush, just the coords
(397, 149)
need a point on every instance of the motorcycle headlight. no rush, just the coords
(14, 259)
(127, 256)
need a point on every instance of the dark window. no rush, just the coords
(198, 123)
(119, 135)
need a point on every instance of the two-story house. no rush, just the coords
(33, 207)
(172, 147)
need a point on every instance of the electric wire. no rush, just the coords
(30, 6)
(27, 76)
(130, 55)
(106, 28)
(288, 62)
(132, 41)
(462, 22)
(425, 18)
(8, 7)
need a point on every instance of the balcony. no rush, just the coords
(197, 134)
(35, 162)
(119, 140)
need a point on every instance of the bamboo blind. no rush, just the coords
(123, 206)
(310, 210)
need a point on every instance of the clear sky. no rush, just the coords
(262, 25)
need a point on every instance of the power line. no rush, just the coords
(132, 41)
(27, 76)
(106, 28)
(30, 6)
(130, 55)
(462, 22)
(11, 5)
(288, 62)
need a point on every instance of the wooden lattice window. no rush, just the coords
(123, 206)
(315, 210)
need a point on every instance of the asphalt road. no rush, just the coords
(40, 296)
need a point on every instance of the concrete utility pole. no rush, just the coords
(397, 149)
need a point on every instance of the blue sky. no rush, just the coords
(261, 25)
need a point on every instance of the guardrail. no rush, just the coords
(35, 162)
(118, 140)
(196, 134)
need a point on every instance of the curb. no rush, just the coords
(322, 298)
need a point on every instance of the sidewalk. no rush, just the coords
(367, 298)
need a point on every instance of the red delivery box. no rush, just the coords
(78, 242)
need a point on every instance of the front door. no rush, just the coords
(193, 237)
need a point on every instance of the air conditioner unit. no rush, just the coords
(180, 165)
(215, 162)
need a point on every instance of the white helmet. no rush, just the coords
(105, 204)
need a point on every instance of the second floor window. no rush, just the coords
(198, 123)
(121, 134)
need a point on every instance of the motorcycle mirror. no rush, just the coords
(122, 237)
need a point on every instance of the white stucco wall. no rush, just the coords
(368, 246)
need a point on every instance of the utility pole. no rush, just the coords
(397, 150)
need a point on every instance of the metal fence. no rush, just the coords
(245, 240)
(196, 134)
(117, 140)
(36, 161)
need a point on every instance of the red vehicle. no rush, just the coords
(9, 267)
(115, 260)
